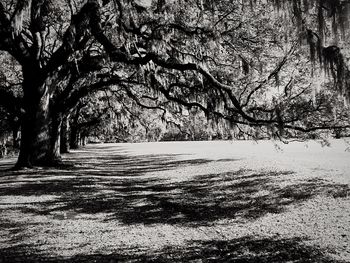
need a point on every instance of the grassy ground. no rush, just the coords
(181, 202)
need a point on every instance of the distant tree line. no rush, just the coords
(73, 70)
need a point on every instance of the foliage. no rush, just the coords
(250, 73)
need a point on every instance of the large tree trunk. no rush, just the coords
(36, 141)
(35, 137)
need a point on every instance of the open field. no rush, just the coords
(181, 202)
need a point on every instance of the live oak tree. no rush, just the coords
(164, 55)
(91, 117)
(324, 26)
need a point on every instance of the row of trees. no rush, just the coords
(171, 57)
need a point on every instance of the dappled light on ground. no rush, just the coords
(247, 249)
(110, 203)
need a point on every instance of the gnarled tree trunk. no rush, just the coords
(35, 136)
(38, 126)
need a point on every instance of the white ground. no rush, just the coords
(321, 220)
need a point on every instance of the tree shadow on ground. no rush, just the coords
(121, 186)
(199, 201)
(102, 164)
(245, 249)
(106, 181)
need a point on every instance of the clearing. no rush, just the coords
(181, 202)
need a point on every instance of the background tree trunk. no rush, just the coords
(74, 137)
(65, 134)
(55, 134)
(15, 134)
(74, 129)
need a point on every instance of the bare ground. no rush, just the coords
(181, 202)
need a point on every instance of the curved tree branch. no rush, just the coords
(14, 44)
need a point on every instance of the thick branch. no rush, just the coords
(73, 38)
(15, 45)
(83, 91)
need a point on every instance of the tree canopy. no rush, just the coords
(276, 65)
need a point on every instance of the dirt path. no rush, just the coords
(181, 202)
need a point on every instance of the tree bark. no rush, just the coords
(36, 140)
(74, 132)
(55, 139)
(65, 135)
(74, 139)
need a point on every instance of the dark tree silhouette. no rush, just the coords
(176, 54)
